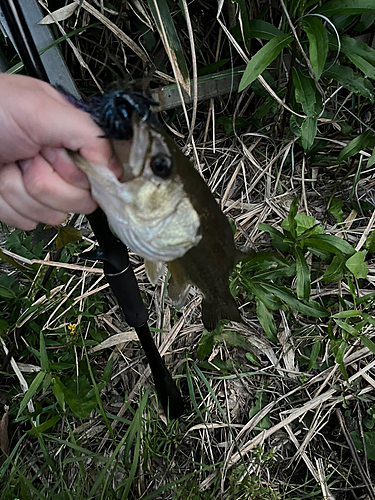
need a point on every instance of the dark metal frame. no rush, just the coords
(117, 268)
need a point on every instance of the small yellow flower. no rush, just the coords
(72, 329)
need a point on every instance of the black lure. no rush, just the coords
(113, 111)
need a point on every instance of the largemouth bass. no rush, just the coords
(163, 210)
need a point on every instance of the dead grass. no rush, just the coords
(255, 176)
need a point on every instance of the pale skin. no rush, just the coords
(38, 180)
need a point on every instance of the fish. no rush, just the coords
(164, 211)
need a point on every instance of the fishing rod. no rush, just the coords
(111, 252)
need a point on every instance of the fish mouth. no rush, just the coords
(133, 153)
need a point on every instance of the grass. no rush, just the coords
(278, 406)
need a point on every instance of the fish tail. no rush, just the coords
(215, 310)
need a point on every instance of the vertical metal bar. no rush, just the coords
(23, 39)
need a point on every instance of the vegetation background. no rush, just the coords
(280, 124)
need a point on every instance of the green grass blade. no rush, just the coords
(314, 353)
(304, 91)
(346, 7)
(364, 140)
(263, 30)
(168, 34)
(34, 386)
(44, 363)
(318, 43)
(309, 129)
(267, 321)
(368, 343)
(328, 243)
(303, 275)
(351, 80)
(263, 58)
(9, 459)
(310, 307)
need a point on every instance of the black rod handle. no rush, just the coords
(123, 283)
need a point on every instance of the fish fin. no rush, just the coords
(213, 311)
(154, 270)
(178, 292)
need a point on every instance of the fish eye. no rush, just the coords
(161, 165)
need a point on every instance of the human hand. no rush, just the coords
(38, 180)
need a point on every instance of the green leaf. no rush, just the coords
(260, 403)
(328, 243)
(206, 345)
(44, 426)
(34, 386)
(370, 243)
(266, 319)
(336, 270)
(347, 314)
(318, 43)
(303, 275)
(357, 266)
(349, 329)
(366, 21)
(263, 30)
(44, 363)
(345, 7)
(340, 353)
(365, 140)
(6, 293)
(304, 91)
(307, 223)
(160, 12)
(269, 300)
(107, 371)
(369, 438)
(244, 22)
(335, 208)
(58, 389)
(363, 65)
(263, 58)
(344, 372)
(314, 353)
(368, 343)
(309, 128)
(366, 299)
(234, 339)
(254, 360)
(308, 307)
(277, 237)
(360, 54)
(351, 80)
(367, 318)
(211, 68)
(290, 224)
(294, 126)
(270, 230)
(67, 235)
(227, 123)
(79, 396)
(351, 46)
(371, 160)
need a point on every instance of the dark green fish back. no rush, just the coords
(208, 264)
